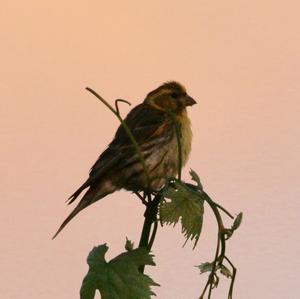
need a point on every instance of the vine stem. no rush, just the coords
(221, 244)
(232, 279)
(146, 241)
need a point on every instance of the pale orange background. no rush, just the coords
(239, 59)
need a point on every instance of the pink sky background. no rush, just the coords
(239, 59)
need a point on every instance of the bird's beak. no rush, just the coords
(189, 101)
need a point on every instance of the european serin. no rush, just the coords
(152, 126)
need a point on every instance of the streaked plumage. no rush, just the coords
(119, 165)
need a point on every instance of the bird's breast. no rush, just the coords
(186, 136)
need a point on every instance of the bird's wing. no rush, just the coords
(147, 125)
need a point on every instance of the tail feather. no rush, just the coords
(79, 207)
(77, 193)
(91, 196)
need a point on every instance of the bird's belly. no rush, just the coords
(161, 166)
(162, 163)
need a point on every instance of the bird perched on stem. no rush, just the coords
(153, 125)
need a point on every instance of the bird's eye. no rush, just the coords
(174, 95)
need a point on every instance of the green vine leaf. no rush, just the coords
(118, 278)
(225, 271)
(186, 205)
(205, 267)
(129, 245)
(208, 267)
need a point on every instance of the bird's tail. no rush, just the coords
(93, 194)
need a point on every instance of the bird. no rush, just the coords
(152, 124)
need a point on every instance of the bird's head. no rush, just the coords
(170, 96)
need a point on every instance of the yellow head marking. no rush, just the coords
(167, 96)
